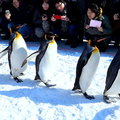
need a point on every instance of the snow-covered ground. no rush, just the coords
(30, 101)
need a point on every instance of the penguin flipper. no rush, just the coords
(4, 52)
(30, 57)
(88, 96)
(17, 80)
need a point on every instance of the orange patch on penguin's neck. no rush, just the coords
(52, 42)
(95, 50)
(18, 35)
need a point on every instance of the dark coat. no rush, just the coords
(20, 15)
(107, 29)
(70, 13)
(37, 17)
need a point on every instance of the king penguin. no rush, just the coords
(46, 58)
(17, 52)
(112, 86)
(86, 68)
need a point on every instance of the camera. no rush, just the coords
(58, 17)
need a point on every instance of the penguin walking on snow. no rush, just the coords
(46, 58)
(17, 52)
(86, 68)
(112, 86)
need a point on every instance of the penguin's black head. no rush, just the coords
(92, 43)
(50, 36)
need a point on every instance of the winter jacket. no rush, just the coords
(107, 29)
(37, 19)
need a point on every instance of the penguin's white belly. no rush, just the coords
(115, 88)
(18, 55)
(48, 63)
(88, 71)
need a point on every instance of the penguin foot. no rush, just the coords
(18, 80)
(108, 100)
(10, 73)
(21, 74)
(76, 87)
(88, 96)
(48, 84)
(78, 91)
(38, 80)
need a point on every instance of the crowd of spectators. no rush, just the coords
(69, 19)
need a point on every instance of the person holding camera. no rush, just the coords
(97, 27)
(63, 23)
(42, 18)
